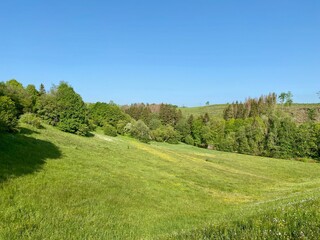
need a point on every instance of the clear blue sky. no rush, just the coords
(184, 52)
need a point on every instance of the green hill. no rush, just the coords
(215, 110)
(55, 185)
(299, 111)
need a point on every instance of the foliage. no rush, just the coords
(169, 114)
(311, 114)
(140, 131)
(140, 111)
(183, 128)
(31, 119)
(31, 96)
(166, 134)
(8, 114)
(155, 123)
(286, 98)
(189, 140)
(101, 113)
(64, 108)
(17, 93)
(121, 126)
(264, 105)
(109, 130)
(47, 108)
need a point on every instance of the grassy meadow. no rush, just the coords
(55, 185)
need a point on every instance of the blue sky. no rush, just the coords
(179, 51)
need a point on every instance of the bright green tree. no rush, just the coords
(71, 110)
(8, 114)
(140, 131)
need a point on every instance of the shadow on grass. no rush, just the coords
(20, 154)
(27, 131)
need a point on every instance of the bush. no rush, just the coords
(121, 126)
(109, 130)
(64, 108)
(189, 140)
(166, 134)
(155, 123)
(140, 131)
(73, 126)
(31, 119)
(8, 114)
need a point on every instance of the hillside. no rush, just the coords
(215, 110)
(57, 185)
(298, 111)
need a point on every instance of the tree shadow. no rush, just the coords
(89, 135)
(27, 131)
(21, 155)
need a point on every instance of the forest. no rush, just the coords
(258, 126)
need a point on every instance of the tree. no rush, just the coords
(169, 114)
(155, 123)
(47, 108)
(183, 128)
(166, 134)
(31, 98)
(121, 126)
(228, 113)
(286, 137)
(42, 90)
(289, 99)
(207, 103)
(101, 113)
(64, 108)
(242, 145)
(8, 114)
(31, 119)
(286, 98)
(305, 143)
(215, 134)
(255, 130)
(311, 114)
(196, 131)
(71, 110)
(2, 88)
(109, 130)
(17, 93)
(140, 131)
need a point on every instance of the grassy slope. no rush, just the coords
(298, 111)
(56, 185)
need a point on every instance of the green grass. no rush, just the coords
(55, 185)
(295, 220)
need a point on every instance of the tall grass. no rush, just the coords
(294, 220)
(56, 185)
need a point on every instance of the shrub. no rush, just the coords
(73, 126)
(64, 108)
(31, 119)
(140, 131)
(8, 114)
(155, 123)
(189, 140)
(166, 134)
(121, 126)
(109, 130)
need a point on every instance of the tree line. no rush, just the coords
(256, 126)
